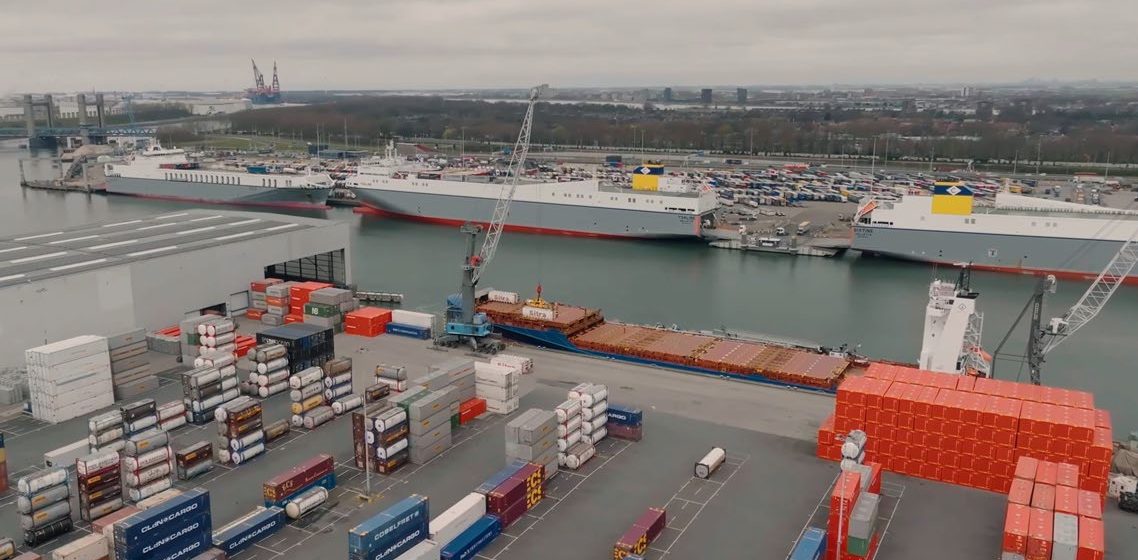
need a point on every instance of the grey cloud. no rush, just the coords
(206, 44)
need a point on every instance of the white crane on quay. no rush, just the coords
(463, 325)
(1042, 339)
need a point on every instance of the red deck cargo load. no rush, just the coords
(367, 321)
(1016, 527)
(1092, 542)
(1040, 533)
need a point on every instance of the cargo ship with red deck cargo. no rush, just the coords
(585, 331)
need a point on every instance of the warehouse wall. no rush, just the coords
(95, 302)
(152, 293)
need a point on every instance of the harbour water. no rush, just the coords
(875, 303)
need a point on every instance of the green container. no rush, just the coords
(455, 422)
(321, 310)
(193, 339)
(857, 547)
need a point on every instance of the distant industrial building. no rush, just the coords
(667, 94)
(967, 91)
(705, 96)
(151, 272)
(741, 96)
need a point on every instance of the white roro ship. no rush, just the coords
(1014, 233)
(395, 187)
(166, 173)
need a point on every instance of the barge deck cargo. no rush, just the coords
(585, 331)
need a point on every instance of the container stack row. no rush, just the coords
(43, 502)
(533, 436)
(338, 385)
(299, 294)
(968, 431)
(634, 542)
(594, 411)
(190, 339)
(181, 523)
(510, 497)
(851, 531)
(305, 345)
(1050, 517)
(241, 436)
(367, 321)
(498, 386)
(276, 302)
(206, 388)
(139, 417)
(316, 472)
(267, 367)
(258, 298)
(147, 465)
(69, 378)
(100, 484)
(131, 374)
(217, 342)
(193, 460)
(410, 324)
(106, 432)
(391, 533)
(428, 417)
(326, 307)
(307, 395)
(379, 436)
(625, 422)
(394, 377)
(171, 415)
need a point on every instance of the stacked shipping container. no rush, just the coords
(367, 321)
(100, 484)
(965, 430)
(1049, 517)
(635, 541)
(379, 436)
(130, 366)
(240, 430)
(43, 501)
(69, 378)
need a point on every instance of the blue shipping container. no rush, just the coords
(398, 544)
(500, 477)
(328, 481)
(408, 330)
(191, 539)
(810, 546)
(386, 526)
(475, 538)
(161, 520)
(625, 415)
(242, 533)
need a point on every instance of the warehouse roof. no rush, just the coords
(35, 256)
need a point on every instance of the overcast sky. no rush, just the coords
(391, 44)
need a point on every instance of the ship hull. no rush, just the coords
(1070, 259)
(208, 193)
(557, 219)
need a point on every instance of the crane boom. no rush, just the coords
(506, 195)
(1095, 298)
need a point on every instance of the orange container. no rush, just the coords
(1040, 533)
(1043, 497)
(1067, 500)
(254, 314)
(1067, 475)
(1092, 542)
(1090, 504)
(1016, 527)
(293, 318)
(1020, 492)
(471, 409)
(1047, 473)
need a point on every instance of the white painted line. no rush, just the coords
(283, 226)
(205, 218)
(197, 230)
(109, 245)
(152, 251)
(169, 216)
(244, 222)
(156, 226)
(58, 241)
(77, 265)
(42, 235)
(701, 506)
(127, 223)
(9, 250)
(38, 257)
(236, 235)
(11, 277)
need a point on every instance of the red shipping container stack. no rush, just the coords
(637, 538)
(254, 314)
(1016, 528)
(367, 321)
(261, 285)
(298, 295)
(517, 495)
(842, 500)
(1030, 526)
(969, 431)
(1039, 534)
(829, 447)
(1092, 539)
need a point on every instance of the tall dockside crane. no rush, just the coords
(1042, 339)
(463, 324)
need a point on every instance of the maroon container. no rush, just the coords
(359, 441)
(393, 435)
(235, 431)
(283, 485)
(512, 513)
(634, 540)
(243, 415)
(621, 431)
(653, 521)
(100, 478)
(506, 495)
